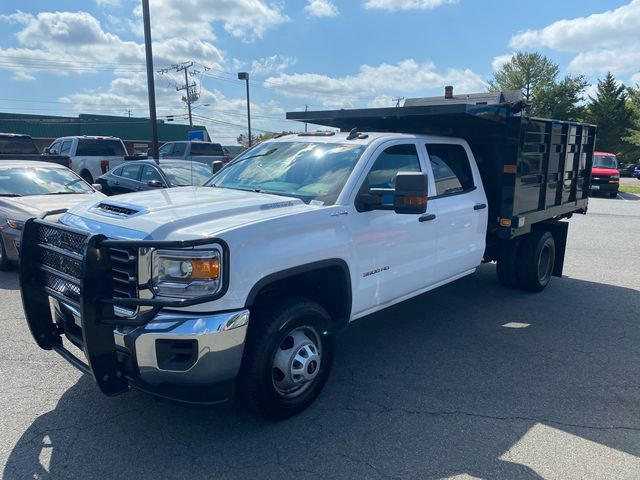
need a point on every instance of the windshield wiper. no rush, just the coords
(64, 193)
(10, 195)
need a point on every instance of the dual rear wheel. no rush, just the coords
(528, 264)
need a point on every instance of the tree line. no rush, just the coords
(614, 107)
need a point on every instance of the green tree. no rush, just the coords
(537, 77)
(633, 133)
(609, 110)
(562, 100)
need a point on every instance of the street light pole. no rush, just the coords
(150, 83)
(245, 76)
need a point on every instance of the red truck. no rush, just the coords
(605, 176)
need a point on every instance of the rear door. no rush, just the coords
(461, 206)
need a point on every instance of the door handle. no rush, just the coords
(116, 183)
(479, 206)
(426, 217)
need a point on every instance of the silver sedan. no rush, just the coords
(28, 189)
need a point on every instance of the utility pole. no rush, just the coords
(150, 83)
(191, 95)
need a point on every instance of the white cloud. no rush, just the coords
(395, 5)
(109, 3)
(321, 8)
(500, 61)
(601, 42)
(244, 19)
(406, 77)
(270, 65)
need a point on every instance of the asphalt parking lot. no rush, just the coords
(472, 380)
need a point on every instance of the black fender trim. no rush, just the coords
(309, 267)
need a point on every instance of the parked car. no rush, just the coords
(15, 146)
(27, 190)
(146, 174)
(626, 169)
(605, 176)
(636, 172)
(204, 152)
(90, 156)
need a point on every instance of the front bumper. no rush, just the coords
(11, 238)
(185, 357)
(604, 187)
(106, 307)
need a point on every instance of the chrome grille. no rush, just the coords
(62, 239)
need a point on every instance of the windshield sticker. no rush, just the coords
(269, 206)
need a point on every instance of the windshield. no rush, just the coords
(309, 171)
(23, 181)
(605, 161)
(194, 174)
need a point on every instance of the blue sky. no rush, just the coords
(66, 57)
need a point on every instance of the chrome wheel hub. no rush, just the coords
(296, 362)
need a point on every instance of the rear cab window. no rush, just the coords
(97, 147)
(206, 149)
(452, 172)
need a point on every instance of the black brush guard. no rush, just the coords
(74, 267)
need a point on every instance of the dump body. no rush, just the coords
(533, 169)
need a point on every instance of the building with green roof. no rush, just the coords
(135, 132)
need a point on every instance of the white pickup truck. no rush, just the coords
(241, 285)
(90, 156)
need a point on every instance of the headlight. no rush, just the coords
(15, 224)
(187, 273)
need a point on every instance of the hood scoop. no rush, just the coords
(118, 210)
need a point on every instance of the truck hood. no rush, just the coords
(180, 213)
(604, 171)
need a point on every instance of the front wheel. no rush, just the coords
(288, 357)
(4, 261)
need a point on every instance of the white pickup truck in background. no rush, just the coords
(90, 156)
(194, 293)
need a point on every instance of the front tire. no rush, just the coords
(536, 260)
(4, 261)
(288, 357)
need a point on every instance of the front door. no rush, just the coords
(395, 254)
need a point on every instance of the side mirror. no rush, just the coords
(409, 195)
(412, 190)
(216, 166)
(46, 151)
(155, 183)
(97, 186)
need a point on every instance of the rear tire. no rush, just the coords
(613, 194)
(536, 260)
(87, 177)
(288, 357)
(506, 264)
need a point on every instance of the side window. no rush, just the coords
(132, 172)
(451, 169)
(55, 149)
(398, 158)
(150, 173)
(66, 147)
(178, 149)
(165, 149)
(117, 172)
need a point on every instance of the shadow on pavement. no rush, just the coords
(431, 388)
(9, 280)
